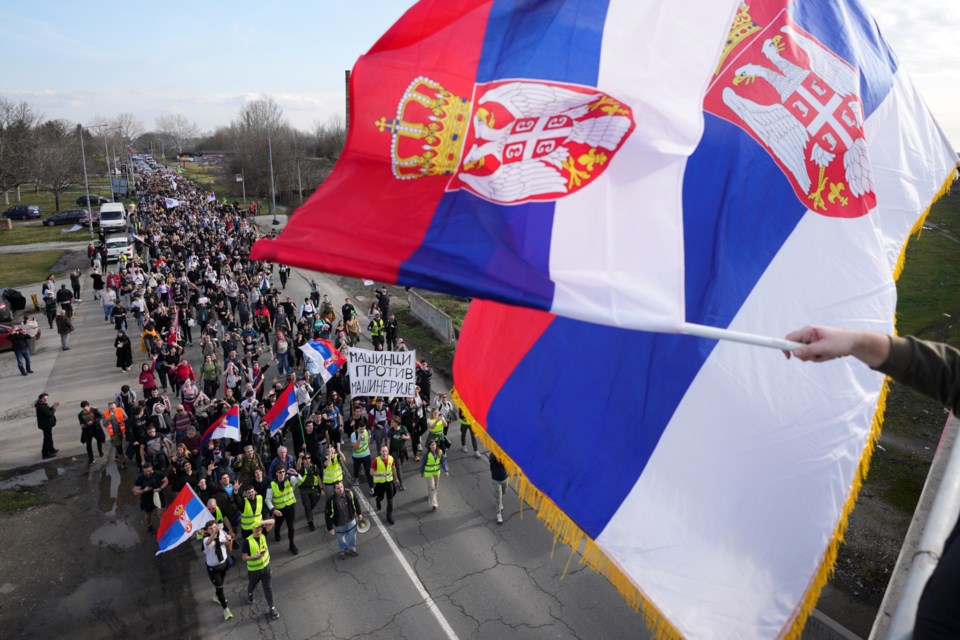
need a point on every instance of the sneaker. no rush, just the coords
(226, 614)
(274, 614)
(342, 555)
(216, 600)
(378, 506)
(477, 454)
(499, 519)
(294, 550)
(249, 598)
(312, 526)
(463, 448)
(389, 520)
(353, 552)
(372, 492)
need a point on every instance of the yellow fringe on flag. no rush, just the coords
(825, 571)
(565, 530)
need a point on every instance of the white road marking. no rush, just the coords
(447, 629)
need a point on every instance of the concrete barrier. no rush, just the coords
(430, 315)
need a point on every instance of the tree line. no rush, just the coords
(46, 154)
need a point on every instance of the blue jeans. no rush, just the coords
(23, 360)
(283, 364)
(347, 536)
(107, 308)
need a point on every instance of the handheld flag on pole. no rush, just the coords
(322, 358)
(170, 203)
(226, 426)
(282, 410)
(183, 518)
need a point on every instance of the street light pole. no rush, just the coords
(273, 190)
(86, 185)
(299, 183)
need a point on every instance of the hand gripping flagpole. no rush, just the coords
(715, 333)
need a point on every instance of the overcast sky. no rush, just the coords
(77, 60)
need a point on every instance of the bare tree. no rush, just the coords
(127, 126)
(178, 128)
(18, 122)
(58, 157)
(329, 137)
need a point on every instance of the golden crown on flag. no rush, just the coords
(427, 133)
(743, 26)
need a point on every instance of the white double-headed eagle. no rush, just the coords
(783, 133)
(515, 181)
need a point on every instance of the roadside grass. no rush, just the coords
(416, 334)
(68, 199)
(454, 307)
(29, 233)
(19, 269)
(16, 499)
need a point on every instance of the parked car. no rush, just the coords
(70, 216)
(6, 330)
(23, 212)
(11, 300)
(117, 245)
(95, 200)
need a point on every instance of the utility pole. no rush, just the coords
(273, 190)
(86, 185)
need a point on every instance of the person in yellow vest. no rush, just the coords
(257, 556)
(332, 469)
(250, 506)
(384, 471)
(433, 462)
(115, 424)
(309, 486)
(360, 441)
(376, 329)
(436, 427)
(282, 501)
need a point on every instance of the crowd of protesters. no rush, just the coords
(204, 328)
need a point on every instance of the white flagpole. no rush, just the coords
(714, 333)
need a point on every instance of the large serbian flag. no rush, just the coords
(528, 152)
(185, 516)
(724, 474)
(282, 410)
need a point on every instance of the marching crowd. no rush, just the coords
(190, 289)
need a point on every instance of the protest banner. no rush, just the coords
(382, 373)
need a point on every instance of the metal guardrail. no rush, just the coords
(933, 520)
(430, 315)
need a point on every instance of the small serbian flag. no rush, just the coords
(227, 426)
(182, 519)
(212, 197)
(323, 359)
(282, 410)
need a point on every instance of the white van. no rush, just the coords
(113, 217)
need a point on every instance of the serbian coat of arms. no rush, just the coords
(515, 141)
(801, 103)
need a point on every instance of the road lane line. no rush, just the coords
(447, 629)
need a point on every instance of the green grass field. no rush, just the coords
(19, 269)
(68, 199)
(22, 233)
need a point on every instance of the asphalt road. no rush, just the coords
(82, 565)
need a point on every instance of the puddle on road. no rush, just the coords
(6, 588)
(81, 602)
(118, 534)
(33, 479)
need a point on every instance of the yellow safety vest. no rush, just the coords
(258, 564)
(333, 472)
(432, 468)
(284, 498)
(376, 328)
(310, 478)
(381, 467)
(250, 517)
(436, 426)
(364, 449)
